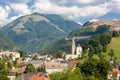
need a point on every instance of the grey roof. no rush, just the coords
(34, 62)
(25, 76)
(117, 63)
(55, 65)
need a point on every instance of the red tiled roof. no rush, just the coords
(33, 76)
(15, 70)
(74, 63)
(39, 77)
(18, 70)
(115, 72)
(19, 62)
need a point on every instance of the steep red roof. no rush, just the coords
(15, 70)
(18, 70)
(73, 63)
(115, 72)
(39, 77)
(33, 76)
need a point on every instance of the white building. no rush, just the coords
(79, 51)
(76, 51)
(12, 55)
(54, 66)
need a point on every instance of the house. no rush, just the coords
(117, 65)
(12, 55)
(17, 70)
(19, 62)
(35, 63)
(73, 63)
(33, 76)
(114, 74)
(54, 66)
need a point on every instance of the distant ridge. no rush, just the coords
(114, 24)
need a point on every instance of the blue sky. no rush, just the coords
(78, 10)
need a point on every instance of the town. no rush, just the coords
(23, 66)
(59, 39)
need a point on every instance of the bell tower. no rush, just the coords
(73, 47)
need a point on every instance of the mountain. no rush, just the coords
(114, 24)
(88, 29)
(6, 43)
(35, 32)
(97, 27)
(64, 45)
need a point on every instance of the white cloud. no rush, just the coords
(80, 23)
(95, 11)
(94, 20)
(20, 8)
(85, 1)
(14, 17)
(114, 5)
(14, 1)
(7, 8)
(45, 6)
(75, 9)
(63, 1)
(3, 15)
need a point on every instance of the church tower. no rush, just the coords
(79, 50)
(73, 47)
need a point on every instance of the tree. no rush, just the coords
(9, 65)
(30, 68)
(94, 42)
(115, 34)
(23, 54)
(5, 71)
(95, 68)
(104, 48)
(105, 39)
(85, 46)
(58, 54)
(90, 51)
(102, 29)
(103, 67)
(68, 74)
(35, 57)
(88, 68)
(111, 53)
(3, 77)
(41, 69)
(98, 49)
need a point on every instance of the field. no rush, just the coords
(115, 45)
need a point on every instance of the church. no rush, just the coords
(76, 51)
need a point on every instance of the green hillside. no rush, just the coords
(35, 32)
(6, 43)
(115, 45)
(89, 31)
(63, 45)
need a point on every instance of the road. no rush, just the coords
(78, 37)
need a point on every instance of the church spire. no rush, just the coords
(73, 46)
